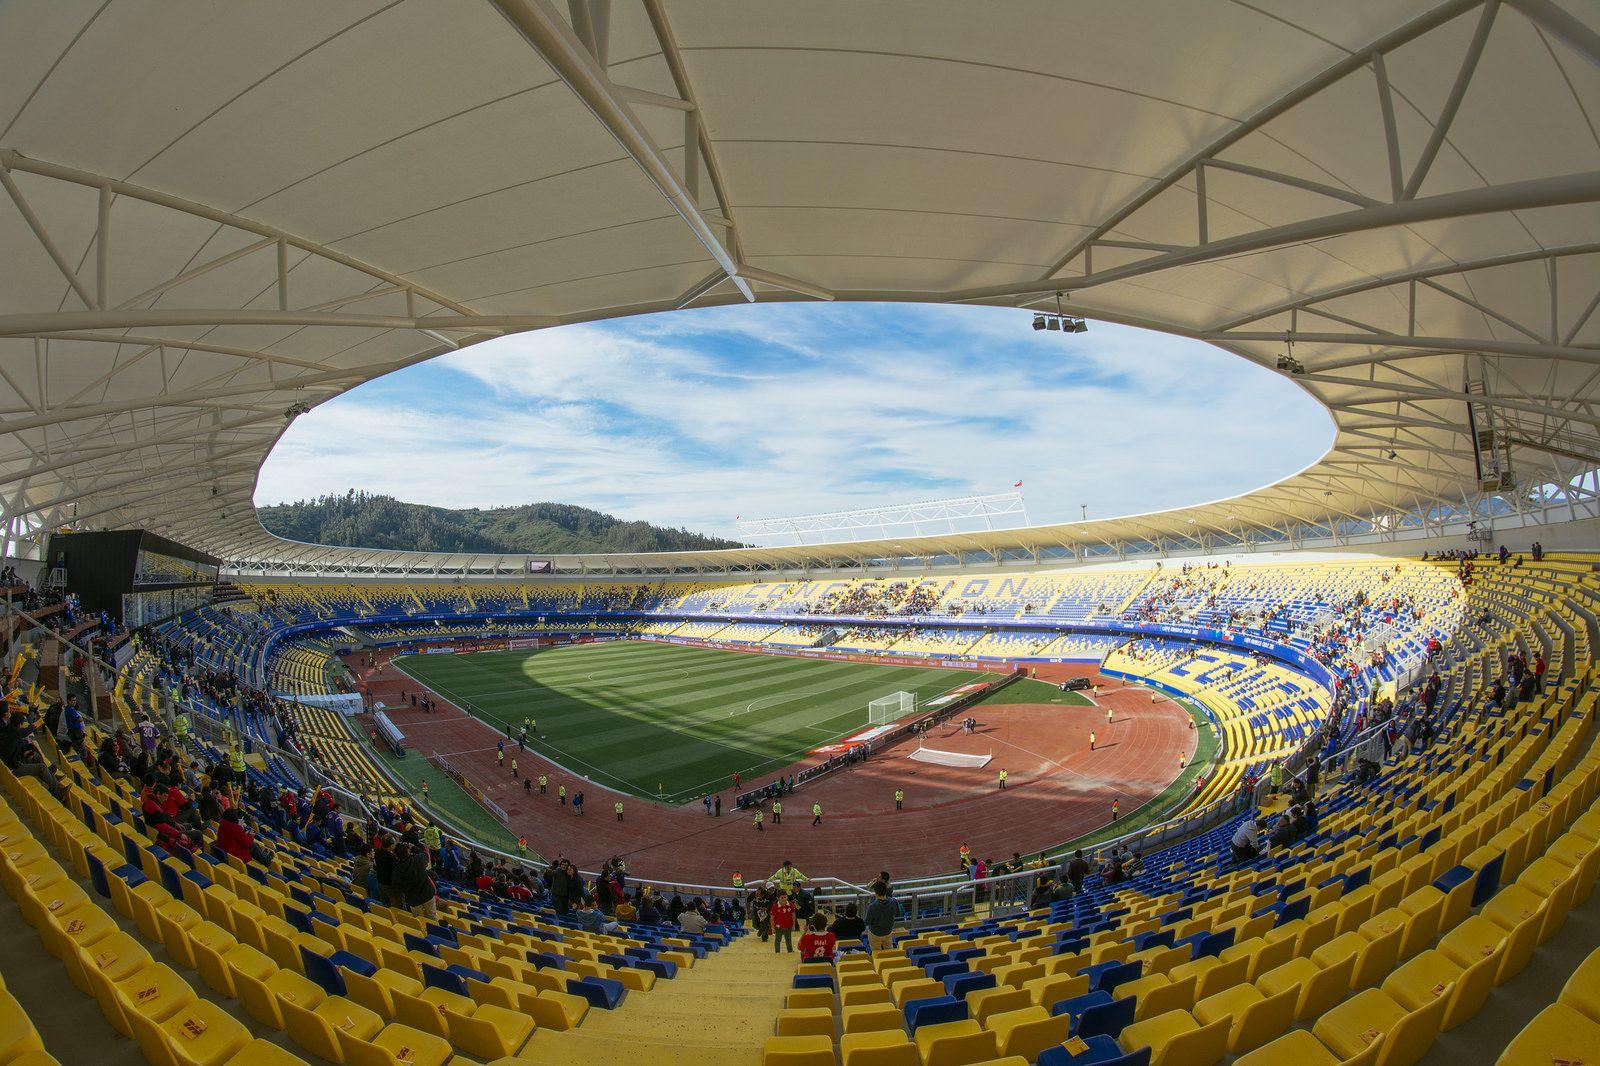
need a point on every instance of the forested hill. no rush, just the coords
(360, 520)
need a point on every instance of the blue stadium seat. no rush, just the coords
(601, 992)
(920, 1012)
(1102, 1051)
(960, 984)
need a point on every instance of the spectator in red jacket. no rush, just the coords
(783, 923)
(233, 838)
(818, 945)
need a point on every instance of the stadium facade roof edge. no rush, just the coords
(214, 221)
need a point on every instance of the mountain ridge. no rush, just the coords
(373, 520)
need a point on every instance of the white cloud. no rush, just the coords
(693, 418)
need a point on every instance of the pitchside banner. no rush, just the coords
(343, 702)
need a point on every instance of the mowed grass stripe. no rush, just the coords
(638, 715)
(518, 687)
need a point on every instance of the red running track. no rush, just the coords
(1056, 789)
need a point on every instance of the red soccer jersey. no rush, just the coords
(817, 946)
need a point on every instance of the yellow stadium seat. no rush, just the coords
(797, 1051)
(490, 1031)
(873, 1017)
(157, 992)
(265, 1053)
(395, 1045)
(1582, 990)
(1254, 1018)
(880, 1047)
(1319, 987)
(906, 991)
(955, 1043)
(1370, 959)
(1373, 1017)
(1028, 1032)
(1050, 990)
(1431, 975)
(1176, 1039)
(201, 1034)
(987, 1002)
(805, 1021)
(1557, 1034)
(1212, 974)
(809, 997)
(115, 955)
(315, 1029)
(863, 995)
(17, 1034)
(1297, 1046)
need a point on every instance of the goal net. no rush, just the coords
(951, 758)
(890, 708)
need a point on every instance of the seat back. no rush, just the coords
(1108, 1019)
(1204, 1046)
(1413, 1035)
(1326, 988)
(323, 972)
(1470, 992)
(1263, 1021)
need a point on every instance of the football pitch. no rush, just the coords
(667, 721)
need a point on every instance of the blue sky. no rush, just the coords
(695, 417)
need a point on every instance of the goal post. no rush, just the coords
(890, 708)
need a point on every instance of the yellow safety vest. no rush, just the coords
(236, 761)
(777, 808)
(619, 808)
(816, 808)
(738, 880)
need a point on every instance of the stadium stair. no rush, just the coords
(721, 1011)
(1133, 596)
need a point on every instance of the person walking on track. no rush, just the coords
(816, 814)
(899, 799)
(1091, 741)
(500, 755)
(777, 812)
(1108, 717)
(618, 807)
(561, 794)
(543, 781)
(1002, 780)
(759, 816)
(577, 803)
(513, 767)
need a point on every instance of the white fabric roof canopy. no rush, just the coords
(214, 212)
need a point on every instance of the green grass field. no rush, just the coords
(666, 720)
